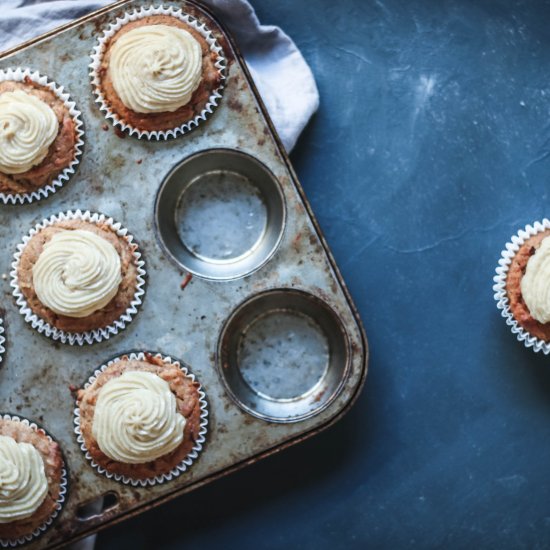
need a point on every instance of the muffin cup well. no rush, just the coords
(180, 468)
(88, 337)
(99, 51)
(2, 339)
(20, 75)
(499, 288)
(7, 543)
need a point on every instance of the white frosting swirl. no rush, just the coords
(155, 68)
(136, 418)
(23, 482)
(535, 283)
(77, 273)
(28, 127)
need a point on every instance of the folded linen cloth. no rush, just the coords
(282, 75)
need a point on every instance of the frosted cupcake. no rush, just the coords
(141, 418)
(522, 288)
(40, 136)
(78, 277)
(32, 480)
(157, 72)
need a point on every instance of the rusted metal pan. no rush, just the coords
(263, 316)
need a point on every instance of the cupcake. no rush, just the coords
(157, 72)
(522, 288)
(40, 136)
(32, 480)
(141, 419)
(78, 277)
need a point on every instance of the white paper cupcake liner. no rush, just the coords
(7, 543)
(79, 338)
(180, 468)
(2, 339)
(19, 75)
(100, 49)
(499, 287)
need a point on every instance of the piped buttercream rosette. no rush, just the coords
(23, 483)
(135, 420)
(29, 127)
(158, 67)
(76, 274)
(534, 285)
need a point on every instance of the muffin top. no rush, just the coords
(77, 273)
(155, 68)
(535, 283)
(28, 126)
(23, 482)
(136, 418)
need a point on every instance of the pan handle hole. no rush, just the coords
(97, 507)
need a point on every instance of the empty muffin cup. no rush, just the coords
(283, 355)
(220, 214)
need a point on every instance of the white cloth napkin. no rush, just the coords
(282, 75)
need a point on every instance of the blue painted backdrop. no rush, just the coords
(431, 147)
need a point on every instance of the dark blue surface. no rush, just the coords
(431, 148)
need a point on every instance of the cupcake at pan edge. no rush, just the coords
(157, 72)
(141, 419)
(522, 285)
(33, 480)
(40, 136)
(78, 277)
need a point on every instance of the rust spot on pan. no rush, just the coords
(235, 105)
(119, 133)
(186, 281)
(319, 396)
(101, 22)
(118, 161)
(296, 242)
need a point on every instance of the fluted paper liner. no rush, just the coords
(88, 337)
(99, 51)
(2, 339)
(19, 75)
(182, 466)
(499, 287)
(7, 543)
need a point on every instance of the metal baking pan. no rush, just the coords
(254, 303)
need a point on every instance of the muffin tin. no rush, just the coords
(241, 284)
